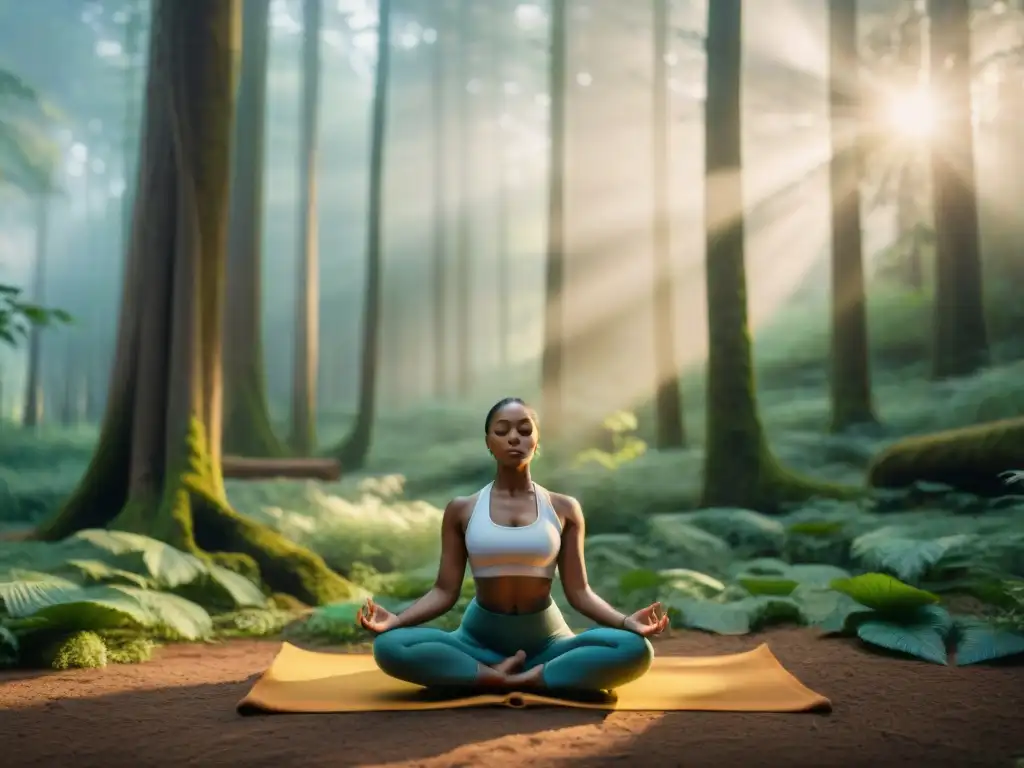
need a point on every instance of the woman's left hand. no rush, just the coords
(647, 621)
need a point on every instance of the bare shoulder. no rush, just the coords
(567, 507)
(458, 510)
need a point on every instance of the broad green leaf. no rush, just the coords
(8, 644)
(168, 566)
(831, 611)
(639, 579)
(906, 558)
(687, 545)
(114, 542)
(816, 528)
(243, 592)
(760, 566)
(719, 618)
(979, 642)
(772, 610)
(23, 598)
(90, 608)
(881, 592)
(686, 583)
(172, 568)
(172, 613)
(816, 574)
(767, 585)
(747, 531)
(923, 634)
(104, 573)
(339, 612)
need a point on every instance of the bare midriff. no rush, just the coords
(513, 594)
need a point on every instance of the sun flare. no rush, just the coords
(912, 115)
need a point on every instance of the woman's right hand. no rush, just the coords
(376, 619)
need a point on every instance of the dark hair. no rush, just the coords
(501, 404)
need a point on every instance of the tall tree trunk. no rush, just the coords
(911, 184)
(133, 37)
(439, 87)
(354, 449)
(850, 364)
(739, 467)
(504, 41)
(307, 304)
(247, 427)
(669, 405)
(157, 466)
(961, 337)
(33, 411)
(464, 294)
(553, 356)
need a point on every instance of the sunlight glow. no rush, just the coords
(529, 16)
(912, 114)
(108, 49)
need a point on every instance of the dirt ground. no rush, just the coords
(179, 710)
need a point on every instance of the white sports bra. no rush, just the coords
(501, 550)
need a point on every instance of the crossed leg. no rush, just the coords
(434, 658)
(594, 660)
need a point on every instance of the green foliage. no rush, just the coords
(625, 445)
(80, 650)
(123, 591)
(18, 316)
(922, 632)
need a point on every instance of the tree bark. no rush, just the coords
(466, 201)
(307, 304)
(911, 183)
(157, 465)
(739, 467)
(247, 427)
(439, 87)
(668, 400)
(553, 356)
(33, 411)
(961, 337)
(354, 449)
(850, 380)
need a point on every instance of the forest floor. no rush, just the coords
(179, 709)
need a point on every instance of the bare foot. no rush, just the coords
(531, 678)
(511, 664)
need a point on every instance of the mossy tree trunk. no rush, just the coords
(439, 91)
(247, 427)
(669, 400)
(553, 356)
(961, 337)
(739, 467)
(307, 304)
(157, 467)
(464, 294)
(503, 61)
(850, 378)
(33, 410)
(355, 447)
(911, 184)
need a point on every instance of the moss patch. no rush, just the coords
(969, 459)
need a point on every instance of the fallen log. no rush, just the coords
(243, 468)
(972, 459)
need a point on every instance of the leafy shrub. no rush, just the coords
(102, 596)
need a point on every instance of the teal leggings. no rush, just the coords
(595, 660)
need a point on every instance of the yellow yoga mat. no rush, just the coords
(307, 681)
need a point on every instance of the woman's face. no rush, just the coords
(512, 437)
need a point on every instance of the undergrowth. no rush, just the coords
(893, 568)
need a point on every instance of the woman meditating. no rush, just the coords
(513, 533)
